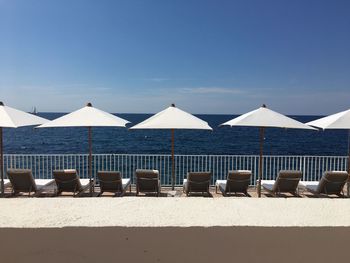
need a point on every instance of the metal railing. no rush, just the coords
(42, 165)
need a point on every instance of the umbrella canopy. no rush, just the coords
(89, 117)
(170, 119)
(13, 118)
(337, 121)
(265, 118)
(173, 118)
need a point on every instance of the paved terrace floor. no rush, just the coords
(178, 211)
(178, 192)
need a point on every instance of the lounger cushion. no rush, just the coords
(268, 184)
(6, 182)
(84, 182)
(41, 183)
(185, 182)
(312, 186)
(126, 182)
(221, 184)
(308, 183)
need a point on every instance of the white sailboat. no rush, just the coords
(34, 111)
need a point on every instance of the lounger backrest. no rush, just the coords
(238, 181)
(199, 181)
(147, 180)
(21, 180)
(332, 182)
(287, 181)
(67, 180)
(110, 181)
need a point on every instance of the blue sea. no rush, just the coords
(223, 140)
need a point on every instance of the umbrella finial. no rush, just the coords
(89, 104)
(172, 105)
(264, 105)
(1, 103)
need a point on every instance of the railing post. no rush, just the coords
(304, 168)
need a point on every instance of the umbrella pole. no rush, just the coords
(90, 159)
(261, 159)
(172, 160)
(1, 163)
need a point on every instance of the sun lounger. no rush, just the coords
(332, 182)
(147, 181)
(22, 181)
(198, 182)
(286, 182)
(69, 181)
(237, 182)
(113, 182)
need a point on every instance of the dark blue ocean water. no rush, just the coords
(223, 140)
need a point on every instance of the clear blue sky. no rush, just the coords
(212, 56)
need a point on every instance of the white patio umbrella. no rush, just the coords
(265, 118)
(170, 119)
(337, 121)
(88, 117)
(12, 118)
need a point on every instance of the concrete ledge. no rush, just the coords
(177, 212)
